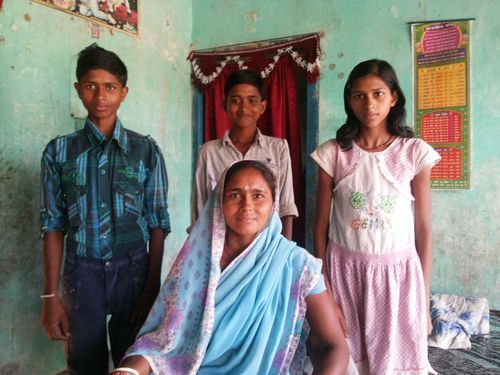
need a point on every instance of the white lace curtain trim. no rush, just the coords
(299, 60)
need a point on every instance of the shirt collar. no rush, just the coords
(96, 137)
(226, 140)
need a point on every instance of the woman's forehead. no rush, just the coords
(246, 173)
(249, 176)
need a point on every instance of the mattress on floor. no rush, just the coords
(482, 359)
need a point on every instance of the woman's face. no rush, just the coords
(247, 204)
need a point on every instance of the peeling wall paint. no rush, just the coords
(465, 223)
(38, 50)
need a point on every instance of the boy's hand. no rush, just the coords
(54, 319)
(143, 305)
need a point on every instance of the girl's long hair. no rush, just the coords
(396, 119)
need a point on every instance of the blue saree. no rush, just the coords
(247, 319)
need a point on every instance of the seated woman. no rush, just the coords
(237, 295)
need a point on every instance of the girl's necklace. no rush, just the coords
(375, 148)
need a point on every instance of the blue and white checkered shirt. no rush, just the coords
(105, 195)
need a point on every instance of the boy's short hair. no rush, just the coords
(244, 76)
(95, 57)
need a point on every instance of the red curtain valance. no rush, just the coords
(304, 50)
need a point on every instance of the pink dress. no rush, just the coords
(373, 265)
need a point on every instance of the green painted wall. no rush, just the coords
(38, 48)
(465, 223)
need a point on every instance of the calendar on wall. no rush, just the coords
(441, 97)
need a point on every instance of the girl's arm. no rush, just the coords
(324, 197)
(423, 236)
(322, 217)
(331, 354)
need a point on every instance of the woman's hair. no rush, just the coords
(244, 76)
(258, 166)
(396, 118)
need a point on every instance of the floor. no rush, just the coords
(482, 359)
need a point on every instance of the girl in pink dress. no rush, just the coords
(375, 238)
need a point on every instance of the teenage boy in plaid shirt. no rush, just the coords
(103, 199)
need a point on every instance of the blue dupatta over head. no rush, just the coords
(246, 320)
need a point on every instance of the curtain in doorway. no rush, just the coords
(277, 61)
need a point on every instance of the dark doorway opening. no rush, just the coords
(305, 106)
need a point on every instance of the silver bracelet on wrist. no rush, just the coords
(128, 370)
(51, 295)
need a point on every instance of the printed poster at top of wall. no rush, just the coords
(121, 15)
(441, 94)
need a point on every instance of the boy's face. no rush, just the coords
(244, 105)
(101, 93)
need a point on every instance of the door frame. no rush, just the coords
(311, 141)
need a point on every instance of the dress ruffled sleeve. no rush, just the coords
(425, 156)
(324, 156)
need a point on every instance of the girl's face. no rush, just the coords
(244, 105)
(371, 101)
(246, 205)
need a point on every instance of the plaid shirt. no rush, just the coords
(105, 195)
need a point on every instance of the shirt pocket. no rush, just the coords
(128, 200)
(75, 197)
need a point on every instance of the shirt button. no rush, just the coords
(103, 171)
(104, 236)
(104, 204)
(107, 263)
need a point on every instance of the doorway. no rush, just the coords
(299, 57)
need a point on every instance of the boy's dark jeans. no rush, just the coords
(92, 290)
